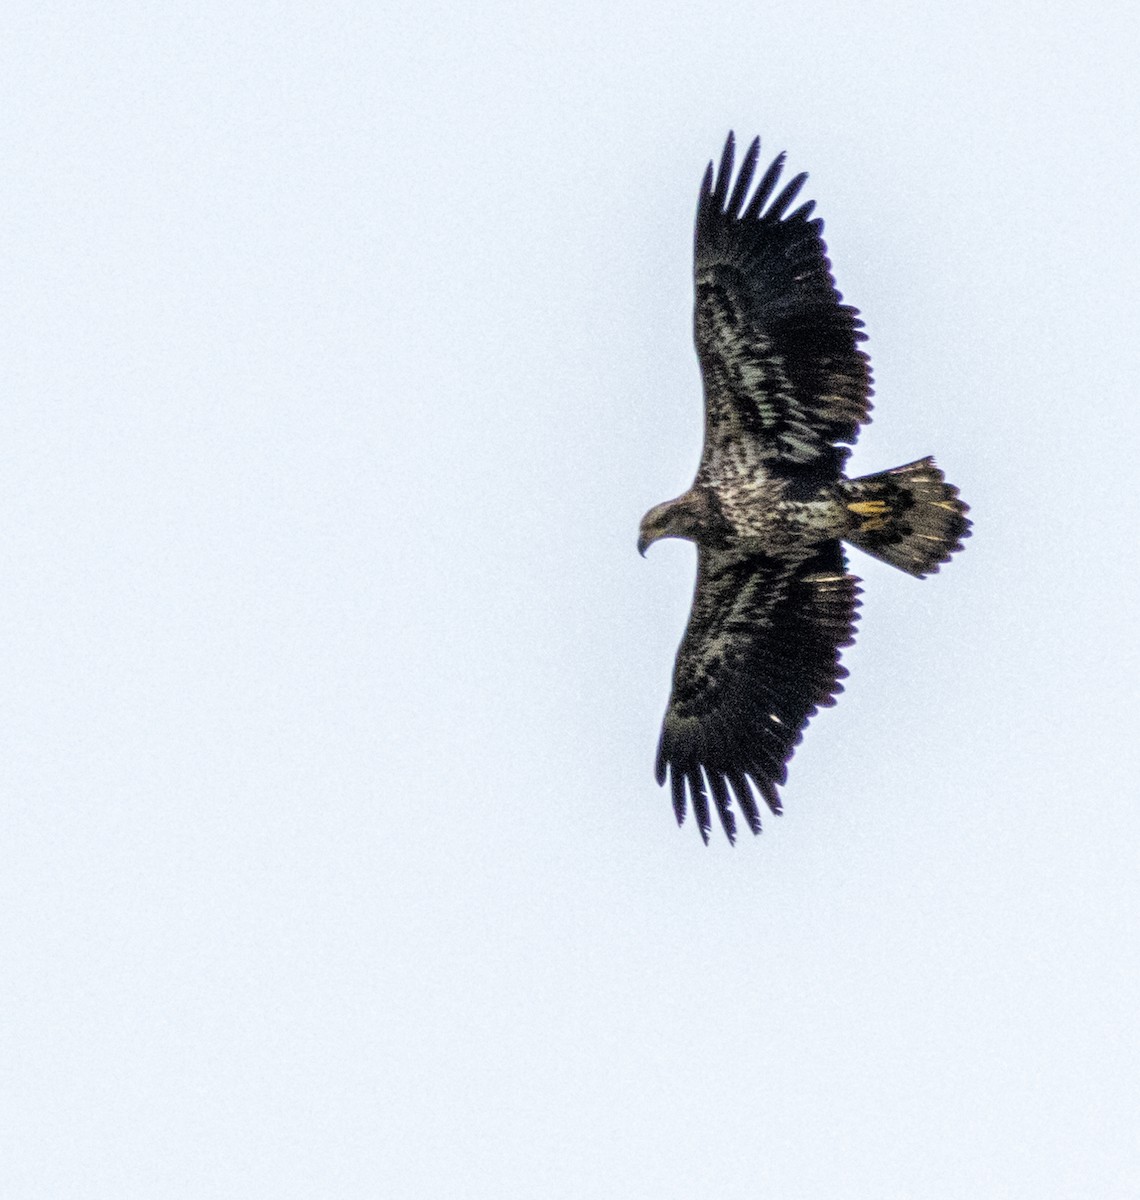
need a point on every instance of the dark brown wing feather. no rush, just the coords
(784, 377)
(759, 657)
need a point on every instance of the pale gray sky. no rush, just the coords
(343, 348)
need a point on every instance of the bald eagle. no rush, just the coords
(786, 389)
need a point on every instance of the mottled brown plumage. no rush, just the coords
(786, 389)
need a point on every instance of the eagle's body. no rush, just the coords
(785, 386)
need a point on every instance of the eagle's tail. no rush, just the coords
(909, 517)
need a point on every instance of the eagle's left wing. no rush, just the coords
(759, 657)
(784, 377)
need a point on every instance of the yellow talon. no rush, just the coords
(869, 508)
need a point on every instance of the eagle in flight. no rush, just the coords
(786, 389)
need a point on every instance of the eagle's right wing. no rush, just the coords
(759, 657)
(784, 377)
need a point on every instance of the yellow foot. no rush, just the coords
(869, 508)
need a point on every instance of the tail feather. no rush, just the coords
(909, 517)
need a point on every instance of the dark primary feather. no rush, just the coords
(759, 657)
(784, 377)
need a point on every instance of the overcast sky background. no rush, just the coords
(343, 348)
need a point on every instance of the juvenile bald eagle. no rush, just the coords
(786, 389)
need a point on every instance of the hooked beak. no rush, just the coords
(649, 531)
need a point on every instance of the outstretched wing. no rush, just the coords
(784, 377)
(760, 656)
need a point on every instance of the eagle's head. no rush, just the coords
(694, 516)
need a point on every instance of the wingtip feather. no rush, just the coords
(724, 171)
(744, 178)
(677, 786)
(700, 804)
(746, 800)
(707, 182)
(771, 796)
(723, 804)
(764, 187)
(780, 205)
